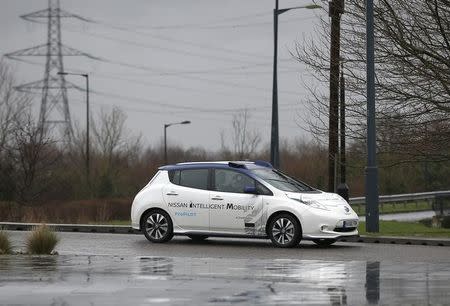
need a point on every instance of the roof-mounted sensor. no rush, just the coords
(263, 163)
(236, 165)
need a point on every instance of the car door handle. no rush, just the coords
(217, 198)
(172, 193)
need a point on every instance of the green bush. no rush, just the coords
(42, 240)
(426, 222)
(445, 222)
(5, 243)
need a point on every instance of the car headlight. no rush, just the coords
(311, 203)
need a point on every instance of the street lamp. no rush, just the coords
(86, 76)
(372, 213)
(165, 136)
(274, 137)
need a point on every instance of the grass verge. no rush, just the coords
(42, 240)
(5, 243)
(112, 222)
(407, 229)
(393, 208)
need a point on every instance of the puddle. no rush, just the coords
(102, 280)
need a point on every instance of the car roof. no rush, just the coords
(243, 165)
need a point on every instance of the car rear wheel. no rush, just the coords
(157, 226)
(324, 242)
(285, 231)
(198, 237)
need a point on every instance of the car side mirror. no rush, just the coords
(250, 189)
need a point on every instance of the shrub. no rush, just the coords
(445, 222)
(42, 240)
(79, 211)
(426, 222)
(5, 243)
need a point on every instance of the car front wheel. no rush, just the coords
(285, 231)
(157, 226)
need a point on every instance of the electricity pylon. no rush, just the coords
(54, 102)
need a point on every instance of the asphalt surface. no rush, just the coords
(115, 269)
(137, 245)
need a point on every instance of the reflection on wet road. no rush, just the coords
(105, 280)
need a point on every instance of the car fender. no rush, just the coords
(289, 206)
(146, 199)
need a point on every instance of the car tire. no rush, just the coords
(198, 238)
(157, 226)
(285, 231)
(324, 242)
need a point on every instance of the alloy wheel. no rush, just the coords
(283, 231)
(157, 226)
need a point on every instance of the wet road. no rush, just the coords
(128, 270)
(137, 245)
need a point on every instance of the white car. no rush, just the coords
(239, 199)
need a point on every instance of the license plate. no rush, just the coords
(350, 223)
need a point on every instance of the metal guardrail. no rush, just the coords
(407, 197)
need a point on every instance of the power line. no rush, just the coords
(246, 25)
(193, 25)
(147, 101)
(194, 44)
(108, 76)
(183, 88)
(225, 83)
(176, 72)
(186, 42)
(197, 115)
(163, 73)
(202, 26)
(260, 120)
(166, 49)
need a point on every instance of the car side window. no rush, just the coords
(263, 190)
(174, 176)
(193, 178)
(232, 181)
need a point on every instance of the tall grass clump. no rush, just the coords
(42, 240)
(5, 243)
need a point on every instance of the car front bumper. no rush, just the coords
(330, 234)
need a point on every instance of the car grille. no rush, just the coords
(344, 229)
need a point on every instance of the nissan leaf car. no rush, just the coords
(239, 199)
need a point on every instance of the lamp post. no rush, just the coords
(274, 138)
(86, 76)
(336, 9)
(342, 188)
(372, 214)
(165, 136)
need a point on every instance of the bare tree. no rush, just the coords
(109, 132)
(412, 52)
(245, 141)
(13, 105)
(115, 146)
(34, 156)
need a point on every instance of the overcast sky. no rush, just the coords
(171, 60)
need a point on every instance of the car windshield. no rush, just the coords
(281, 181)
